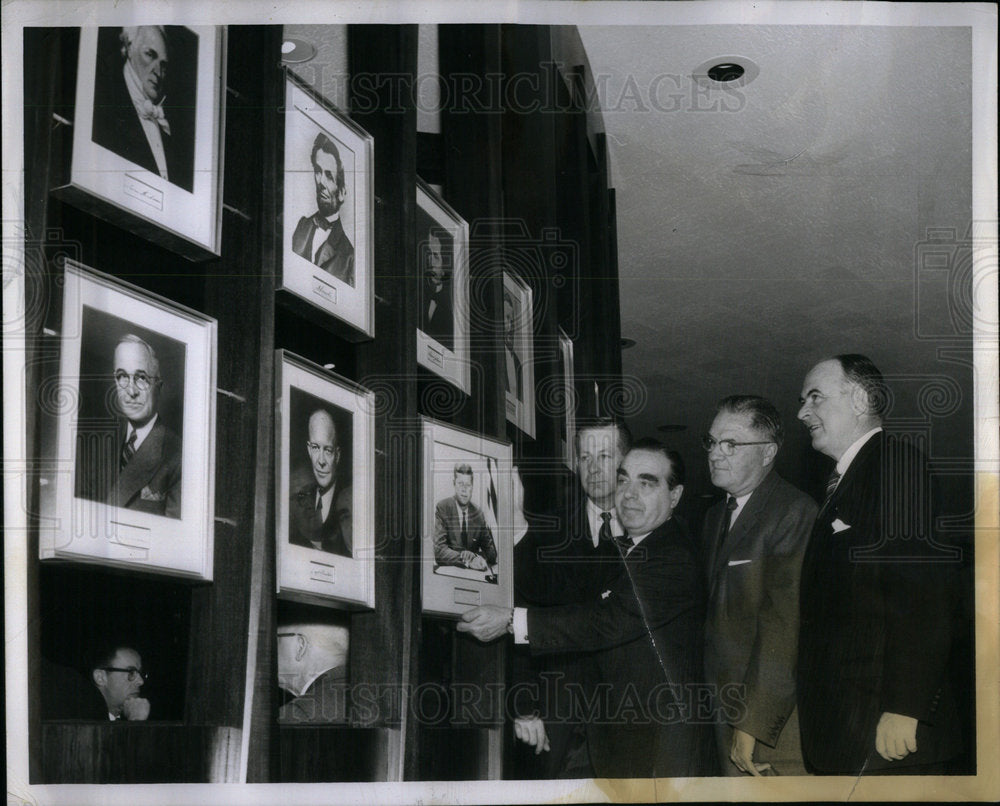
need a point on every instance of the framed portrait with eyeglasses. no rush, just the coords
(327, 212)
(467, 530)
(324, 454)
(132, 411)
(443, 270)
(148, 128)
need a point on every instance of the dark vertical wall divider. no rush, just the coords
(525, 175)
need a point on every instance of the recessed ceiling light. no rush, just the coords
(626, 343)
(296, 51)
(726, 71)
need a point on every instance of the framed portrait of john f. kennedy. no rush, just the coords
(133, 411)
(443, 267)
(147, 141)
(327, 209)
(324, 463)
(517, 369)
(466, 523)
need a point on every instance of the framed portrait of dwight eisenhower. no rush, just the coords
(132, 411)
(443, 268)
(327, 210)
(147, 141)
(324, 455)
(466, 522)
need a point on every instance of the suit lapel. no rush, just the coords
(138, 471)
(745, 524)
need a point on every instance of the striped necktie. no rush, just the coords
(831, 486)
(128, 451)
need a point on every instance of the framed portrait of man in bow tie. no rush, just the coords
(443, 266)
(467, 544)
(147, 132)
(324, 463)
(326, 228)
(132, 410)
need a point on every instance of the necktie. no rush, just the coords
(465, 532)
(321, 222)
(150, 111)
(624, 543)
(831, 486)
(128, 451)
(605, 532)
(726, 518)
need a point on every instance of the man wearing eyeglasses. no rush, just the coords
(313, 518)
(754, 540)
(142, 470)
(118, 676)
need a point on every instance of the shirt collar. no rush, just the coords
(135, 88)
(141, 433)
(850, 453)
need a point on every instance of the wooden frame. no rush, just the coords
(569, 398)
(115, 173)
(451, 584)
(443, 250)
(328, 262)
(326, 558)
(517, 369)
(151, 505)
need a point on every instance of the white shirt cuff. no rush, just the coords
(520, 625)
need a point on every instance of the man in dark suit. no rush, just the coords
(312, 672)
(320, 238)
(143, 472)
(131, 117)
(876, 592)
(314, 521)
(754, 541)
(461, 535)
(645, 633)
(111, 690)
(436, 312)
(568, 556)
(513, 372)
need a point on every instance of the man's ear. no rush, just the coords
(770, 451)
(301, 645)
(859, 400)
(675, 495)
(100, 677)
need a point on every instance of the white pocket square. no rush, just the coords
(151, 495)
(839, 526)
(739, 562)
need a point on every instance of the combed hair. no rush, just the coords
(677, 473)
(861, 370)
(588, 424)
(128, 36)
(324, 143)
(104, 653)
(131, 338)
(462, 469)
(764, 416)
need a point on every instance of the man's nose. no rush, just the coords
(803, 411)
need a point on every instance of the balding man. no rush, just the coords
(143, 471)
(876, 592)
(131, 117)
(313, 518)
(312, 672)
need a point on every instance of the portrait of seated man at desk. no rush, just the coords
(462, 538)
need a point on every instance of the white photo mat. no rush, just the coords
(95, 531)
(310, 574)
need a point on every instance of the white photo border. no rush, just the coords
(307, 574)
(80, 529)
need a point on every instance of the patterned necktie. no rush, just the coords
(605, 532)
(128, 451)
(727, 519)
(831, 486)
(624, 543)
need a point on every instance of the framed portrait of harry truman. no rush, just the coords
(327, 207)
(443, 267)
(517, 369)
(133, 409)
(467, 531)
(147, 141)
(325, 456)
